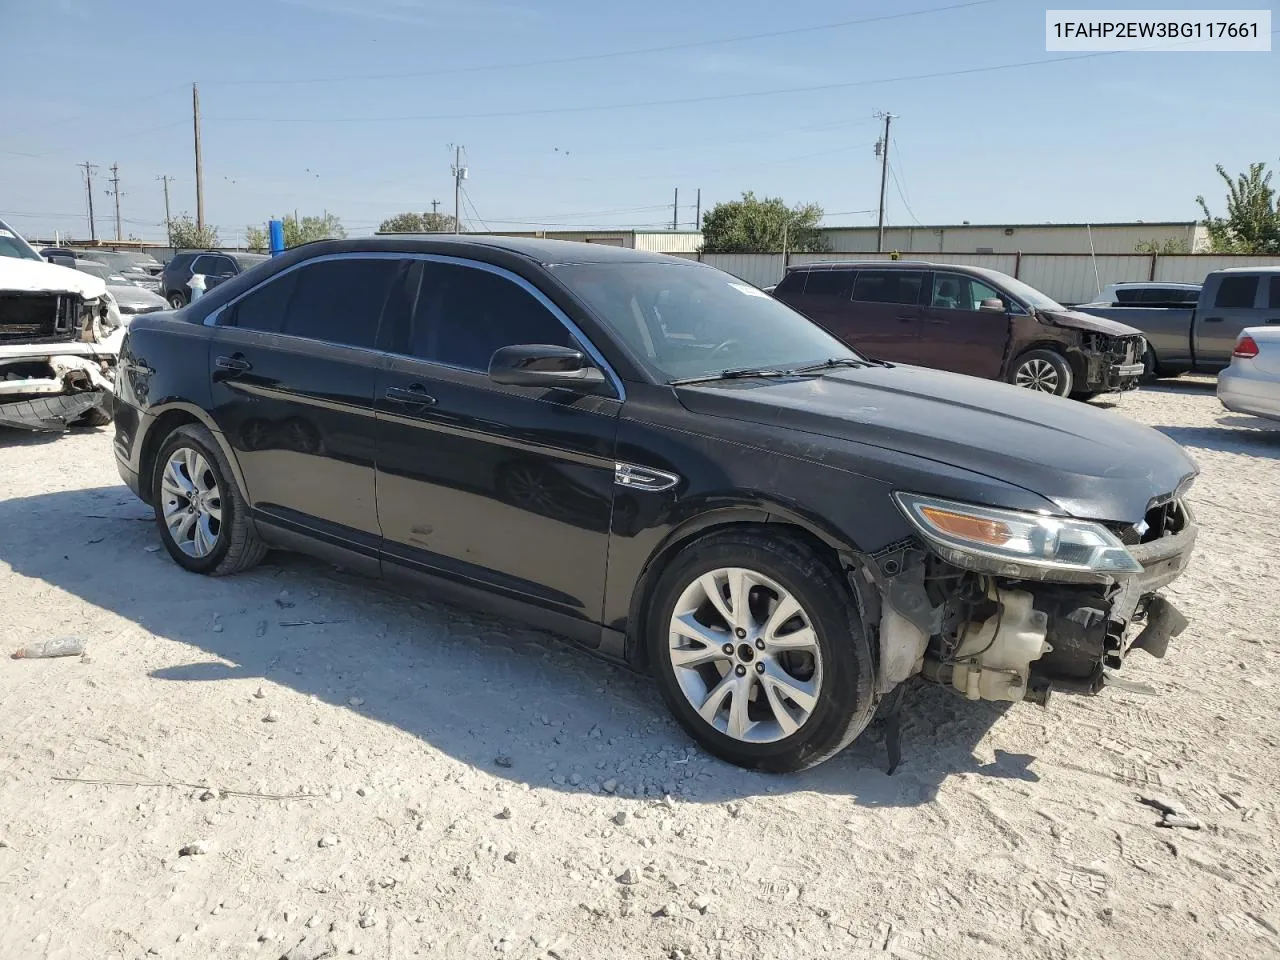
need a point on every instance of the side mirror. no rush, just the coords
(543, 365)
(992, 305)
(62, 260)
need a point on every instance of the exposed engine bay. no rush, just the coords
(1010, 638)
(58, 354)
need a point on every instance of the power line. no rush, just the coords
(897, 186)
(589, 57)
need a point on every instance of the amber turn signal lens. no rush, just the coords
(974, 529)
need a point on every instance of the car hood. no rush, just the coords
(1089, 462)
(36, 276)
(1087, 321)
(128, 295)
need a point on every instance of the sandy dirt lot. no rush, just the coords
(381, 775)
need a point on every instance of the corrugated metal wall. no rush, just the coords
(669, 242)
(1068, 278)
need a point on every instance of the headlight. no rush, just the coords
(1016, 544)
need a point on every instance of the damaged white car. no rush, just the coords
(60, 335)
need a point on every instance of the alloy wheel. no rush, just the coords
(745, 655)
(1037, 374)
(192, 502)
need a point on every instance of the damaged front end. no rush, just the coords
(1010, 606)
(58, 353)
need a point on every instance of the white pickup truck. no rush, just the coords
(60, 336)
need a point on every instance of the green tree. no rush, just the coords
(1168, 245)
(1252, 223)
(328, 227)
(184, 233)
(750, 225)
(417, 223)
(255, 238)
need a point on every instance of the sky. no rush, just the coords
(588, 114)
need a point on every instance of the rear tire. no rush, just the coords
(806, 682)
(202, 516)
(1043, 371)
(177, 301)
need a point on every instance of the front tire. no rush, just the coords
(759, 652)
(1043, 371)
(177, 301)
(203, 518)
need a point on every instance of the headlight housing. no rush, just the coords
(1012, 543)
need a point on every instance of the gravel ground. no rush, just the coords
(294, 760)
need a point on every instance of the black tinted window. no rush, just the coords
(1237, 292)
(465, 314)
(265, 307)
(340, 301)
(793, 282)
(1128, 296)
(888, 286)
(213, 266)
(1273, 301)
(829, 283)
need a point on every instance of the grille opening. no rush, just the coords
(1163, 520)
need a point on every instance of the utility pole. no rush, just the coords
(168, 221)
(435, 207)
(115, 192)
(195, 115)
(459, 174)
(882, 151)
(675, 211)
(697, 217)
(88, 183)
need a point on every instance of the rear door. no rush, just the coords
(956, 334)
(488, 484)
(883, 319)
(215, 267)
(293, 371)
(1238, 300)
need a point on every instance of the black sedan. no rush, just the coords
(664, 464)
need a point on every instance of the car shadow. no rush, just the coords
(12, 437)
(514, 701)
(1255, 436)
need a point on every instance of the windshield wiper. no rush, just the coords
(744, 373)
(833, 362)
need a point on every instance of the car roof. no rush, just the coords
(1156, 283)
(1258, 269)
(846, 264)
(539, 250)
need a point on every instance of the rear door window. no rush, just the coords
(1236, 293)
(888, 286)
(1273, 298)
(340, 301)
(836, 284)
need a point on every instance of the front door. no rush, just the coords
(215, 267)
(293, 371)
(959, 336)
(883, 319)
(510, 488)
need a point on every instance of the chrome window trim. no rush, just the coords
(598, 358)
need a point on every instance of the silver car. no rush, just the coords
(1252, 383)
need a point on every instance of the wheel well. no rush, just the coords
(164, 425)
(1073, 358)
(637, 622)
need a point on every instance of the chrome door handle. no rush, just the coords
(415, 394)
(237, 363)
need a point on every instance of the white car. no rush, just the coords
(60, 336)
(1252, 383)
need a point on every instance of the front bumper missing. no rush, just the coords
(49, 393)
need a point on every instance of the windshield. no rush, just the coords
(117, 262)
(1027, 294)
(12, 245)
(686, 321)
